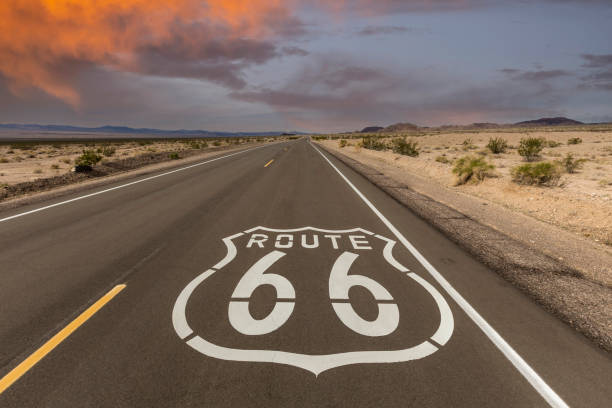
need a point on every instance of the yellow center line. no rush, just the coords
(46, 348)
(269, 163)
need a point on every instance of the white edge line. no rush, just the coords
(126, 185)
(551, 397)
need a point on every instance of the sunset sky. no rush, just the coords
(312, 65)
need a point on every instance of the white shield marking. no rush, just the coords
(339, 286)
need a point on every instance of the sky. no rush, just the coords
(306, 65)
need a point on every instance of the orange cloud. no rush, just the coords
(47, 44)
(44, 42)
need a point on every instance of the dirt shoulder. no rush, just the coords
(570, 278)
(35, 191)
(571, 222)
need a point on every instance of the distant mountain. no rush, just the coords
(484, 125)
(131, 131)
(371, 129)
(560, 121)
(401, 127)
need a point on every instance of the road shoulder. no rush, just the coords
(91, 183)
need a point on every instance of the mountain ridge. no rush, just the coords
(130, 130)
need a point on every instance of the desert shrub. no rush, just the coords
(3, 160)
(37, 171)
(468, 144)
(194, 145)
(574, 141)
(541, 174)
(342, 143)
(570, 164)
(497, 145)
(552, 143)
(442, 159)
(531, 147)
(55, 166)
(216, 143)
(402, 146)
(108, 151)
(472, 168)
(86, 161)
(22, 146)
(373, 143)
(204, 144)
(173, 156)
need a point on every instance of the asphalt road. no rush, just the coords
(272, 278)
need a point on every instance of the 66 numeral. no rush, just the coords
(340, 282)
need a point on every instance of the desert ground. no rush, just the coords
(24, 161)
(580, 203)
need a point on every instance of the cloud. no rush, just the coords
(57, 47)
(540, 75)
(44, 42)
(600, 77)
(293, 50)
(340, 93)
(382, 30)
(367, 7)
(597, 61)
(394, 7)
(328, 87)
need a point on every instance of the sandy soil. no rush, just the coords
(582, 203)
(22, 162)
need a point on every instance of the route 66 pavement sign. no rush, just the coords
(312, 271)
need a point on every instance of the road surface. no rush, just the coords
(276, 277)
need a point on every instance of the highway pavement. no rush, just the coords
(274, 277)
